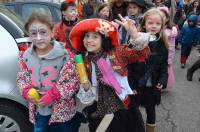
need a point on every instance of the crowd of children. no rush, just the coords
(128, 47)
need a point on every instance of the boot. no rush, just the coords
(183, 60)
(150, 128)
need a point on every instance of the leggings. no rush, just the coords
(151, 114)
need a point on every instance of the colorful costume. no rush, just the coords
(59, 68)
(117, 59)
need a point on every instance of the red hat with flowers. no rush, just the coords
(92, 25)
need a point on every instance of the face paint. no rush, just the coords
(40, 35)
(71, 13)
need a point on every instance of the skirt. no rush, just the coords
(125, 120)
(171, 78)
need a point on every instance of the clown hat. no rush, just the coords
(92, 25)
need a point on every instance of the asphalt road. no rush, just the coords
(179, 110)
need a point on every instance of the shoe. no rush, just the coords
(182, 66)
(189, 75)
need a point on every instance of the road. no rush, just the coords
(179, 110)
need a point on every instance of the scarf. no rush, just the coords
(108, 101)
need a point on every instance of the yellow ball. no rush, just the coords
(34, 94)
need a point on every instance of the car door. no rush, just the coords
(13, 111)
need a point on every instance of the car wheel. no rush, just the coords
(13, 118)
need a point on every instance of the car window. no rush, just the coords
(58, 13)
(16, 21)
(11, 7)
(27, 10)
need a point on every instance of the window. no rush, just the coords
(58, 14)
(27, 10)
(11, 7)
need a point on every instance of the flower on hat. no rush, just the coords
(104, 27)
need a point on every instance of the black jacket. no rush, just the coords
(156, 65)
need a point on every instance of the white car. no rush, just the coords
(13, 108)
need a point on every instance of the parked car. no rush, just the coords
(13, 108)
(24, 9)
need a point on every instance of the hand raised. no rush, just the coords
(129, 25)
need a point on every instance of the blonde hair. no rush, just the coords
(162, 35)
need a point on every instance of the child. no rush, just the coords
(188, 38)
(46, 67)
(104, 12)
(171, 32)
(118, 7)
(154, 74)
(106, 63)
(158, 3)
(196, 65)
(69, 19)
(135, 9)
(88, 9)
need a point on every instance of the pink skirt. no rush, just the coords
(171, 78)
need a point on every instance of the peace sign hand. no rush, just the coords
(129, 25)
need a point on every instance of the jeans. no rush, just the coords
(41, 125)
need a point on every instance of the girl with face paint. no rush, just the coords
(69, 19)
(47, 67)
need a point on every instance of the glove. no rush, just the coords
(49, 97)
(25, 91)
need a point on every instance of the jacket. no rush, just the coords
(66, 81)
(120, 57)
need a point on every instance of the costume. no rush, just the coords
(63, 28)
(196, 65)
(35, 71)
(156, 72)
(171, 34)
(107, 99)
(188, 38)
(143, 6)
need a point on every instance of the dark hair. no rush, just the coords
(110, 17)
(40, 17)
(64, 7)
(106, 43)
